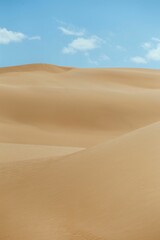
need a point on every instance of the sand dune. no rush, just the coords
(20, 152)
(79, 153)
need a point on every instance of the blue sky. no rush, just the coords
(86, 33)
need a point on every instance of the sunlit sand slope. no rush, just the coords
(79, 153)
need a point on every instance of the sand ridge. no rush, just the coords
(79, 153)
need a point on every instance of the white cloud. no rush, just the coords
(83, 44)
(146, 45)
(155, 39)
(139, 60)
(154, 53)
(71, 32)
(152, 49)
(8, 36)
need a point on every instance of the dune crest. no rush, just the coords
(79, 153)
(35, 67)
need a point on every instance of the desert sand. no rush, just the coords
(79, 153)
